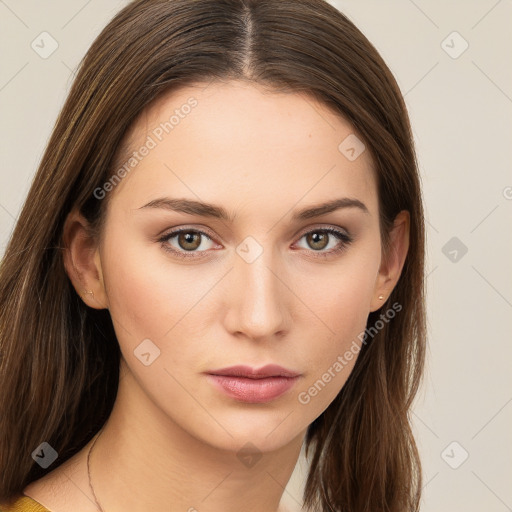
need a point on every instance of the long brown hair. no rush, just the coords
(59, 366)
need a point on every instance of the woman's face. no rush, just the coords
(262, 286)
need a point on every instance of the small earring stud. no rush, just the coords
(86, 292)
(381, 297)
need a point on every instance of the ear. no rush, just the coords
(82, 261)
(392, 262)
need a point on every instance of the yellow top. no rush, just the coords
(24, 504)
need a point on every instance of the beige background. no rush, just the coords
(460, 105)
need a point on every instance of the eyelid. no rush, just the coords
(196, 228)
(322, 227)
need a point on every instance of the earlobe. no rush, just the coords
(393, 261)
(82, 261)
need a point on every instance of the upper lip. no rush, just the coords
(270, 370)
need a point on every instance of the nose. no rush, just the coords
(258, 301)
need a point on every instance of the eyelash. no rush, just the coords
(343, 237)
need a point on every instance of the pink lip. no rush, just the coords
(246, 384)
(270, 370)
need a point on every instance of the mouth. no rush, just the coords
(270, 370)
(249, 385)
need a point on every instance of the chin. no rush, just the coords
(266, 433)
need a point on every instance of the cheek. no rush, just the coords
(151, 297)
(341, 300)
(137, 298)
(332, 353)
(341, 293)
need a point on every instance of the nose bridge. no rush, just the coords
(259, 301)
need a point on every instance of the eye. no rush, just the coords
(187, 242)
(333, 239)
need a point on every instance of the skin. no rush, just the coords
(172, 440)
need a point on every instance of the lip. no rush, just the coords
(270, 370)
(246, 384)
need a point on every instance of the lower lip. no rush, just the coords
(253, 391)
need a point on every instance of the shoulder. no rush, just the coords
(60, 490)
(23, 504)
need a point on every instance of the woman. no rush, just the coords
(220, 260)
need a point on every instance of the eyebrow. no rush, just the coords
(202, 209)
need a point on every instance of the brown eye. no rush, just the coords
(189, 240)
(187, 243)
(326, 241)
(317, 240)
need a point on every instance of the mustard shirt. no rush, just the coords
(24, 504)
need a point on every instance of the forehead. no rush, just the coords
(242, 141)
